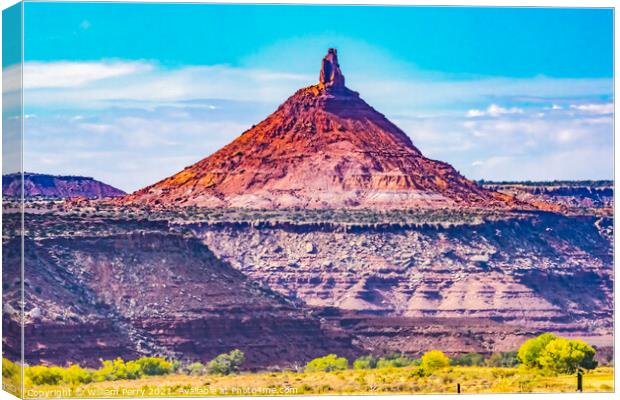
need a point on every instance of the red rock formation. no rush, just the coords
(324, 147)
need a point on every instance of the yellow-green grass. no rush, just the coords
(376, 381)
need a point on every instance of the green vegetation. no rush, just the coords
(396, 361)
(330, 362)
(529, 352)
(468, 360)
(227, 363)
(548, 363)
(365, 362)
(9, 368)
(118, 369)
(352, 381)
(109, 371)
(196, 368)
(555, 354)
(434, 360)
(505, 359)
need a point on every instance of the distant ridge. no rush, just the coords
(57, 186)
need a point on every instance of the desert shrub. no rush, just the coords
(330, 362)
(9, 368)
(177, 366)
(42, 375)
(117, 370)
(196, 368)
(395, 361)
(506, 359)
(76, 374)
(419, 372)
(565, 356)
(153, 366)
(365, 362)
(468, 360)
(226, 363)
(433, 360)
(529, 352)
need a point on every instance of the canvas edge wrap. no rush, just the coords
(12, 210)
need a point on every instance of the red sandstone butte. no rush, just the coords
(324, 147)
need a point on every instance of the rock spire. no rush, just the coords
(331, 76)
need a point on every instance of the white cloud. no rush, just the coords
(11, 79)
(519, 146)
(601, 108)
(128, 149)
(494, 111)
(39, 75)
(101, 85)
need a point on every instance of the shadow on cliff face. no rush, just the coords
(582, 295)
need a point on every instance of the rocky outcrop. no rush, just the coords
(324, 147)
(56, 186)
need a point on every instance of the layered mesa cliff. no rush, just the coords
(105, 289)
(323, 147)
(543, 271)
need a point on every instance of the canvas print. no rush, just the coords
(274, 200)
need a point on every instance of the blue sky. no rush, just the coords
(131, 93)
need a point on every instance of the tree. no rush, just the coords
(365, 362)
(566, 356)
(433, 360)
(556, 354)
(226, 363)
(328, 363)
(529, 352)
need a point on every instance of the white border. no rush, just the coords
(483, 3)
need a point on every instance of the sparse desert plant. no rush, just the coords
(395, 361)
(365, 362)
(468, 360)
(196, 368)
(153, 366)
(116, 370)
(43, 375)
(9, 368)
(227, 363)
(506, 359)
(328, 363)
(75, 375)
(433, 360)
